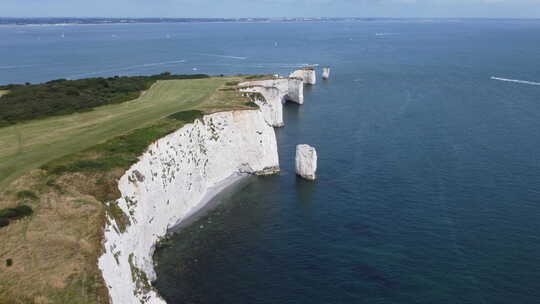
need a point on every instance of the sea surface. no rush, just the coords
(428, 135)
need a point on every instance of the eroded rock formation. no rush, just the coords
(306, 162)
(308, 75)
(275, 93)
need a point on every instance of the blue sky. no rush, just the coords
(271, 8)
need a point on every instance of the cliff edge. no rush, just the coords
(168, 184)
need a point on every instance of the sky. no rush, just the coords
(271, 8)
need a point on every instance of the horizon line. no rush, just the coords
(259, 18)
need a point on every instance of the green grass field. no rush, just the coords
(27, 146)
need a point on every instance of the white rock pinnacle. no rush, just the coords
(326, 72)
(306, 161)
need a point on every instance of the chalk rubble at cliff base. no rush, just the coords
(306, 162)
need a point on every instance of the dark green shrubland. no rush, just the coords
(26, 194)
(187, 116)
(11, 214)
(61, 96)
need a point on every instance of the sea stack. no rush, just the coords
(295, 90)
(326, 72)
(306, 162)
(307, 75)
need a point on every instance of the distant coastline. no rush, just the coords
(62, 21)
(81, 21)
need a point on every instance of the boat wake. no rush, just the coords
(516, 81)
(6, 67)
(225, 56)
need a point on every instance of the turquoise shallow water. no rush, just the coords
(429, 170)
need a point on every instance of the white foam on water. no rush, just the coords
(18, 66)
(162, 63)
(310, 65)
(516, 81)
(225, 56)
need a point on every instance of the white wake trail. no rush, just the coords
(18, 66)
(516, 81)
(225, 56)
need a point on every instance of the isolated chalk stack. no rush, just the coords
(306, 162)
(326, 72)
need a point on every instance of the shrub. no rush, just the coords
(16, 213)
(251, 77)
(4, 222)
(24, 210)
(87, 165)
(251, 104)
(90, 165)
(8, 213)
(187, 116)
(26, 194)
(121, 219)
(9, 262)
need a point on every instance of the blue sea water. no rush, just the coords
(429, 169)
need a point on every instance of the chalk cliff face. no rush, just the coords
(168, 184)
(307, 75)
(306, 162)
(296, 90)
(275, 93)
(270, 103)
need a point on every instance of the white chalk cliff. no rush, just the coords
(308, 75)
(269, 101)
(274, 93)
(169, 183)
(306, 162)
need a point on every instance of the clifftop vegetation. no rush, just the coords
(61, 96)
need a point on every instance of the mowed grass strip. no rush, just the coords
(27, 146)
(3, 92)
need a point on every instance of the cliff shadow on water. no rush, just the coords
(212, 237)
(220, 197)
